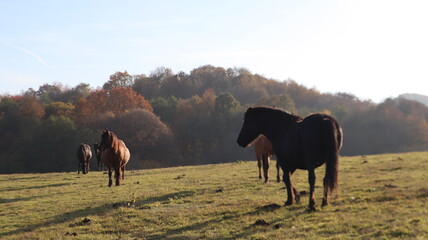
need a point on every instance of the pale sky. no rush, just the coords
(374, 49)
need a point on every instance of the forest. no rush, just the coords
(172, 119)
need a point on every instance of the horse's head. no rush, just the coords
(108, 140)
(249, 130)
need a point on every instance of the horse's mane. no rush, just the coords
(272, 111)
(110, 138)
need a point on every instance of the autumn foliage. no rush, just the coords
(169, 119)
(117, 101)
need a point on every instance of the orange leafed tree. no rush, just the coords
(30, 106)
(118, 101)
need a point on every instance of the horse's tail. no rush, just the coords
(334, 142)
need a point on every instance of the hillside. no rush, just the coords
(415, 97)
(380, 197)
(172, 119)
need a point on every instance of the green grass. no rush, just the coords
(379, 197)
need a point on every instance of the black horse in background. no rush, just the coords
(299, 144)
(97, 151)
(83, 154)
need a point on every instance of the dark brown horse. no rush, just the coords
(263, 148)
(298, 144)
(83, 155)
(115, 155)
(98, 155)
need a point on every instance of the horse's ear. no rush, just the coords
(104, 131)
(111, 138)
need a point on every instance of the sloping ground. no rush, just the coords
(380, 197)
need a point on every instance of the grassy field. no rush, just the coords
(379, 197)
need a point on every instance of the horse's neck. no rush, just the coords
(274, 130)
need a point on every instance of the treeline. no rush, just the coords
(170, 119)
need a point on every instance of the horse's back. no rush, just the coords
(317, 133)
(262, 145)
(316, 127)
(308, 142)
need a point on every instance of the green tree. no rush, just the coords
(283, 101)
(73, 95)
(48, 93)
(165, 108)
(119, 79)
(225, 104)
(59, 109)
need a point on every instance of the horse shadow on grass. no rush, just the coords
(77, 217)
(166, 197)
(35, 187)
(83, 213)
(245, 232)
(13, 200)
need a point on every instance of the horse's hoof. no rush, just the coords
(297, 198)
(324, 203)
(312, 207)
(288, 203)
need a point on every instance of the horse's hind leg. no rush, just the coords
(325, 199)
(118, 175)
(123, 172)
(259, 164)
(87, 167)
(312, 179)
(278, 178)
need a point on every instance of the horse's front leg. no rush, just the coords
(110, 181)
(123, 172)
(312, 178)
(278, 178)
(265, 159)
(289, 186)
(87, 167)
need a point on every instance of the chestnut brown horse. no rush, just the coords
(298, 144)
(83, 155)
(263, 148)
(115, 155)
